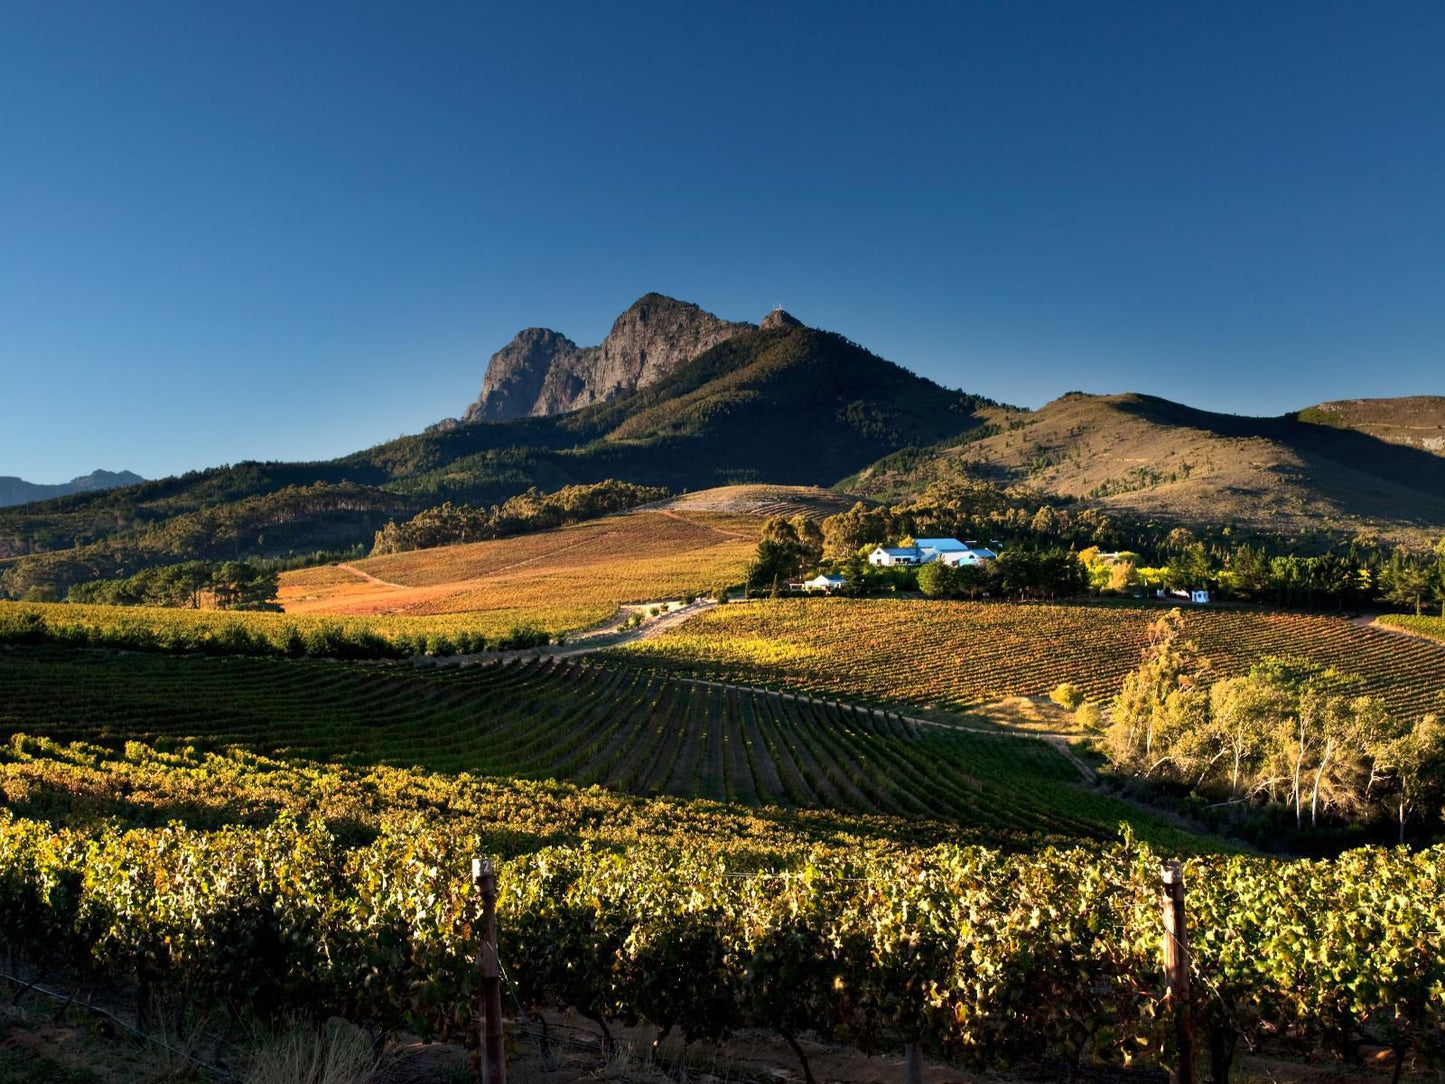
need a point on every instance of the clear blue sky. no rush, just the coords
(282, 230)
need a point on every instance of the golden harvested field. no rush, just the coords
(564, 579)
(964, 654)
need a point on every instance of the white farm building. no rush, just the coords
(949, 551)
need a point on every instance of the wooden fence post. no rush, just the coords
(494, 1058)
(912, 1064)
(1176, 971)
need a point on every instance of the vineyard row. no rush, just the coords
(984, 957)
(967, 653)
(619, 728)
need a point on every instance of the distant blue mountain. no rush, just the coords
(18, 491)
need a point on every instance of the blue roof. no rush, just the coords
(942, 545)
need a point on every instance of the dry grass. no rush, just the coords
(321, 576)
(335, 1053)
(1417, 421)
(1148, 458)
(576, 576)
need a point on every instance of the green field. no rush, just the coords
(618, 728)
(961, 654)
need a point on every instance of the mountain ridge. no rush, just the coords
(1417, 421)
(1152, 458)
(777, 403)
(15, 491)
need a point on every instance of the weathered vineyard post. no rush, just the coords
(494, 1059)
(1176, 971)
(912, 1064)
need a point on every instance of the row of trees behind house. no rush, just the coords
(1039, 557)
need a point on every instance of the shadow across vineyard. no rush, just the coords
(563, 720)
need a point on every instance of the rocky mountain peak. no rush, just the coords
(780, 318)
(544, 372)
(517, 373)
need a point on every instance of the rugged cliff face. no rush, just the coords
(543, 372)
(512, 385)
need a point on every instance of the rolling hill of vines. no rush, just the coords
(963, 654)
(617, 728)
(583, 572)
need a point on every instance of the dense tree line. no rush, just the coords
(294, 520)
(790, 548)
(230, 585)
(1017, 573)
(450, 524)
(1353, 579)
(1292, 738)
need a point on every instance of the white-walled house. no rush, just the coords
(824, 582)
(925, 550)
(891, 556)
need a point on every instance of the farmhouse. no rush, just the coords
(890, 556)
(824, 582)
(971, 554)
(1198, 596)
(925, 550)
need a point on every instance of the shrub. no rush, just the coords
(1067, 696)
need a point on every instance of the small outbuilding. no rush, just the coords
(824, 582)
